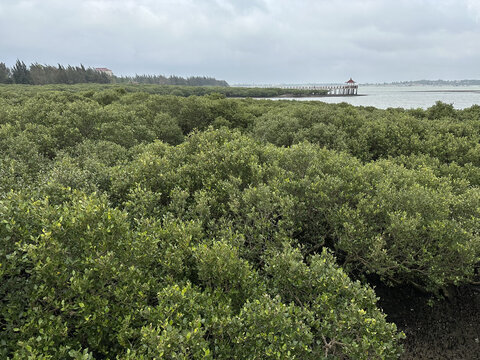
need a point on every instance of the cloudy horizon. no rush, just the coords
(252, 41)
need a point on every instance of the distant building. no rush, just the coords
(105, 71)
(350, 82)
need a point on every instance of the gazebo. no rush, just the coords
(351, 88)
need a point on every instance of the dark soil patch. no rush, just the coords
(450, 329)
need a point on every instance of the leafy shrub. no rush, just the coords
(125, 235)
(342, 314)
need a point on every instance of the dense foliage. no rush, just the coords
(170, 80)
(137, 225)
(38, 74)
(180, 90)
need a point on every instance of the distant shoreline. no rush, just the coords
(447, 91)
(465, 82)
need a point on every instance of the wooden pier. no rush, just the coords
(349, 89)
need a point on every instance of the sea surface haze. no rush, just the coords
(409, 97)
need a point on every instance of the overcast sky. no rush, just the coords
(250, 41)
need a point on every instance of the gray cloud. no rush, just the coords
(262, 41)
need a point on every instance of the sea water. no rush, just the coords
(409, 97)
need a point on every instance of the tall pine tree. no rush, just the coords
(20, 73)
(5, 74)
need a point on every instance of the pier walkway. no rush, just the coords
(339, 90)
(350, 88)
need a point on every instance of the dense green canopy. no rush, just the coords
(137, 225)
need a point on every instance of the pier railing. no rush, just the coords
(339, 90)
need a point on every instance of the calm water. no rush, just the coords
(408, 96)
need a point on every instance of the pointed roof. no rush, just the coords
(350, 81)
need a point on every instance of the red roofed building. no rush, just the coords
(105, 71)
(351, 88)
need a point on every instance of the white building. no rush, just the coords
(105, 71)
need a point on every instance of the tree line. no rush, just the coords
(171, 80)
(37, 74)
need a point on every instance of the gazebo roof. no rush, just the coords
(350, 81)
